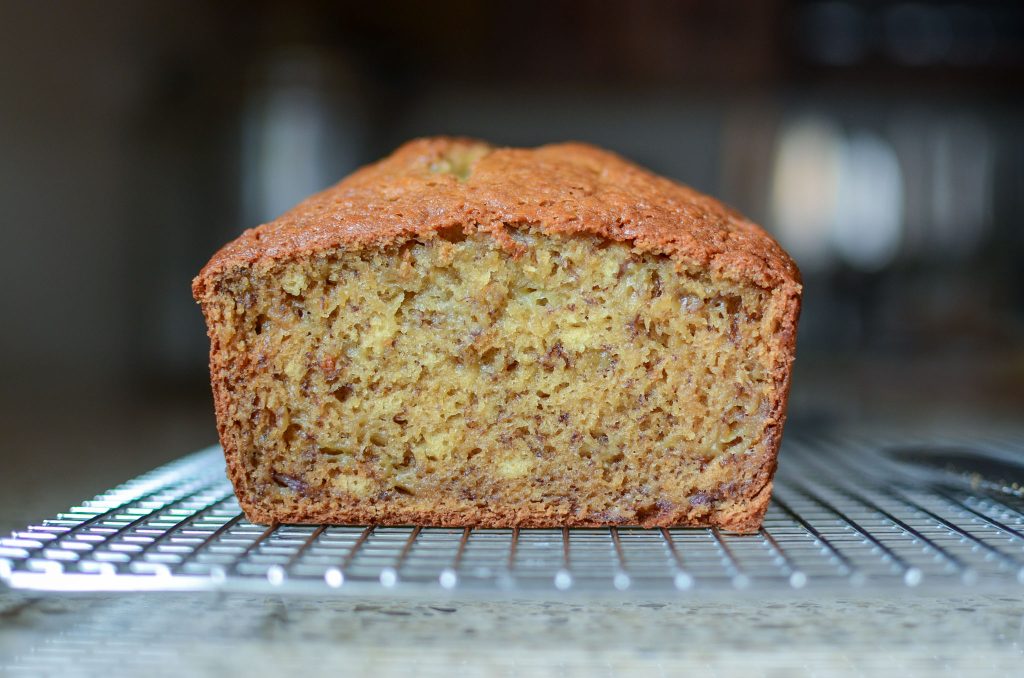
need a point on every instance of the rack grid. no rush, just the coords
(850, 511)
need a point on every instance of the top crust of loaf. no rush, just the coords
(557, 189)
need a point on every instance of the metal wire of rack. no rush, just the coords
(844, 513)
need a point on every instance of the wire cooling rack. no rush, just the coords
(848, 511)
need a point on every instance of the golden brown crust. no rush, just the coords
(557, 189)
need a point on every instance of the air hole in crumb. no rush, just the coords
(401, 489)
(657, 336)
(400, 419)
(378, 440)
(405, 252)
(488, 356)
(512, 366)
(732, 443)
(472, 453)
(342, 393)
(452, 234)
(291, 434)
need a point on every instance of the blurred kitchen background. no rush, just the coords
(882, 142)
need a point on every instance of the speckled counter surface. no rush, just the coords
(209, 634)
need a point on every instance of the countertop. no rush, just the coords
(210, 634)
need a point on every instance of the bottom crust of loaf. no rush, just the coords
(448, 383)
(740, 515)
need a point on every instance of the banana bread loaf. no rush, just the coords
(465, 335)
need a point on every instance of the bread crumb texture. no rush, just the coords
(524, 376)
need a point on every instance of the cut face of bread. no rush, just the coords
(529, 378)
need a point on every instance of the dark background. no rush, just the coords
(881, 142)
